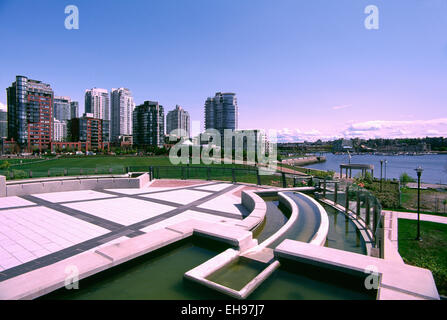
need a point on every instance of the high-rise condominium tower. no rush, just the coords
(59, 130)
(221, 112)
(148, 124)
(30, 113)
(62, 108)
(3, 123)
(97, 103)
(92, 132)
(122, 106)
(178, 119)
(74, 109)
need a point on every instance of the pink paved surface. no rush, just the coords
(175, 183)
(238, 193)
(424, 217)
(30, 231)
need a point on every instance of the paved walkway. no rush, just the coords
(414, 185)
(39, 230)
(424, 217)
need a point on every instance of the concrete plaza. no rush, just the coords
(42, 229)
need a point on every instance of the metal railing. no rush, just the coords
(359, 202)
(251, 175)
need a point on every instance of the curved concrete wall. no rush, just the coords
(257, 207)
(320, 236)
(291, 205)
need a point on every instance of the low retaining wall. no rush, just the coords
(396, 280)
(320, 236)
(289, 203)
(390, 237)
(257, 207)
(200, 274)
(28, 187)
(2, 186)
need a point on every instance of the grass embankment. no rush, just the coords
(387, 193)
(312, 172)
(71, 166)
(432, 201)
(18, 161)
(430, 253)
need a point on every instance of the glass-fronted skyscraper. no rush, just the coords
(97, 103)
(30, 113)
(178, 119)
(221, 112)
(122, 106)
(74, 109)
(62, 108)
(3, 124)
(148, 124)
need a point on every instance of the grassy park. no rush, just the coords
(314, 172)
(430, 253)
(89, 165)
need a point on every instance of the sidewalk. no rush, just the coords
(424, 217)
(425, 186)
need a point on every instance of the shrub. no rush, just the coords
(19, 174)
(5, 165)
(405, 178)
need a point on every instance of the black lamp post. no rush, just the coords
(419, 171)
(381, 166)
(386, 162)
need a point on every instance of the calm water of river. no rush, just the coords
(435, 166)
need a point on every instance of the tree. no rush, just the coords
(405, 179)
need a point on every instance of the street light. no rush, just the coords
(381, 165)
(386, 161)
(419, 171)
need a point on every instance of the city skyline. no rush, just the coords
(318, 74)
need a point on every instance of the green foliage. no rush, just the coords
(311, 183)
(387, 199)
(405, 179)
(19, 174)
(388, 195)
(5, 165)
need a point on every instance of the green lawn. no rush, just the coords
(313, 172)
(18, 161)
(117, 165)
(430, 253)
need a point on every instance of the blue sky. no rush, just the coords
(307, 68)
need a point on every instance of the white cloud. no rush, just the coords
(3, 107)
(296, 135)
(397, 128)
(366, 126)
(369, 130)
(341, 107)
